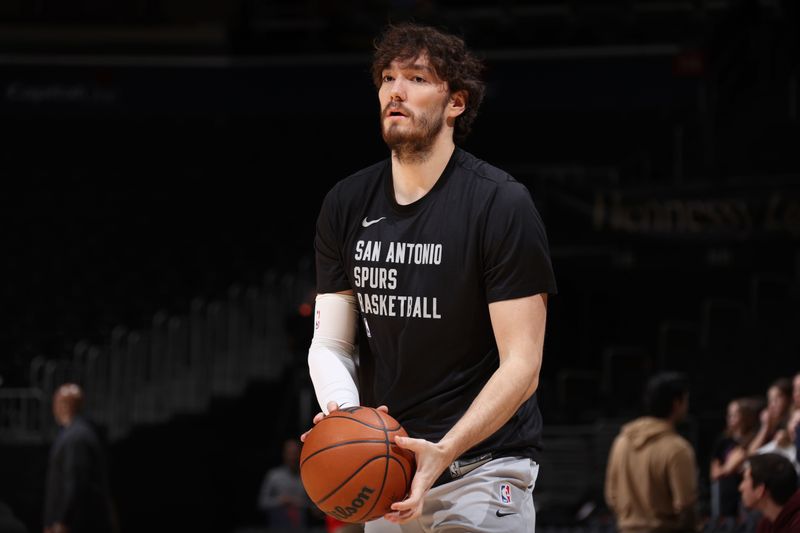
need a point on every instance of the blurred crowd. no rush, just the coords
(652, 477)
(754, 426)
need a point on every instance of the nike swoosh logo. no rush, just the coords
(501, 515)
(367, 223)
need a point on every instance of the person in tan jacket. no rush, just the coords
(651, 477)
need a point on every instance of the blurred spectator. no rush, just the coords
(282, 497)
(784, 441)
(651, 478)
(796, 396)
(769, 485)
(775, 416)
(728, 456)
(77, 498)
(796, 392)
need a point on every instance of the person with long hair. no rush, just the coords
(775, 415)
(728, 457)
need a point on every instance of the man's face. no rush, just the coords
(750, 495)
(60, 409)
(413, 103)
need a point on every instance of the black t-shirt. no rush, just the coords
(424, 274)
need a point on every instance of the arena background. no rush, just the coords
(163, 162)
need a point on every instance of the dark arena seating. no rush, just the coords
(163, 166)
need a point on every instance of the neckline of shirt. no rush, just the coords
(413, 207)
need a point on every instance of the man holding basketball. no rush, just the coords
(443, 261)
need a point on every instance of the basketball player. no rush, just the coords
(443, 261)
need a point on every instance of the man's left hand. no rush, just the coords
(432, 459)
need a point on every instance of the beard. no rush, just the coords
(412, 143)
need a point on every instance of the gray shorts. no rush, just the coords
(495, 497)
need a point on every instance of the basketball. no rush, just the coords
(351, 468)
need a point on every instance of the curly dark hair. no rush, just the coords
(448, 56)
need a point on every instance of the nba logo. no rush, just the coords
(505, 493)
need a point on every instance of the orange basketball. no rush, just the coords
(351, 468)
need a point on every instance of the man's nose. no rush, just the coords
(397, 92)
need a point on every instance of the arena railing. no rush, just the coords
(175, 365)
(21, 415)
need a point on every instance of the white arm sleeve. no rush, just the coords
(330, 357)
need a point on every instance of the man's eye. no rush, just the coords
(387, 78)
(418, 79)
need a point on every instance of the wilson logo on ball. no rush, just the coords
(358, 502)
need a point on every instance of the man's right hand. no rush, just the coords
(332, 406)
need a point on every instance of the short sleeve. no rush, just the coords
(515, 250)
(331, 276)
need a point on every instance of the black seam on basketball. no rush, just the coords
(403, 468)
(360, 422)
(332, 446)
(387, 456)
(385, 467)
(383, 422)
(380, 492)
(380, 419)
(343, 483)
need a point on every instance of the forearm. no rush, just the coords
(759, 440)
(733, 462)
(510, 386)
(518, 327)
(333, 374)
(330, 356)
(715, 471)
(519, 330)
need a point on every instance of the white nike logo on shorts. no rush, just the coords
(367, 223)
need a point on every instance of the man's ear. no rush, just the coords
(760, 491)
(457, 103)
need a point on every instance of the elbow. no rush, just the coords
(521, 370)
(532, 376)
(533, 384)
(529, 381)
